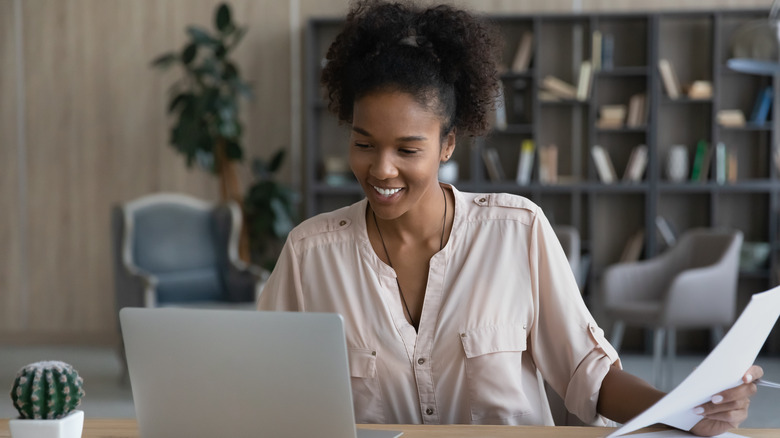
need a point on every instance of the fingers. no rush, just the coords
(732, 412)
(753, 373)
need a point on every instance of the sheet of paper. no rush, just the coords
(722, 369)
(680, 434)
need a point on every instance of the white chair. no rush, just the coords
(692, 285)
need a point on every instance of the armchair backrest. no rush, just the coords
(171, 233)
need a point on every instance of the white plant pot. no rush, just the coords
(68, 427)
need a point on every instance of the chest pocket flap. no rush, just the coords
(493, 339)
(362, 362)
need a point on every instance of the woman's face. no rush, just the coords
(395, 151)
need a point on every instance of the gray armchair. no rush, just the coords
(176, 250)
(692, 285)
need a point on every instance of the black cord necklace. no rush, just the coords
(390, 262)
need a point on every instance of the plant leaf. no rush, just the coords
(189, 53)
(276, 161)
(233, 151)
(201, 36)
(182, 98)
(165, 60)
(223, 20)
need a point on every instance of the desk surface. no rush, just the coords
(127, 428)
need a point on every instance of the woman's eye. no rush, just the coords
(408, 151)
(362, 145)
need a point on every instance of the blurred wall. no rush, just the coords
(83, 126)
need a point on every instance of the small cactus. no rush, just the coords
(46, 390)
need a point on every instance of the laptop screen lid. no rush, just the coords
(209, 373)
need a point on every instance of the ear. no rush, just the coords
(447, 147)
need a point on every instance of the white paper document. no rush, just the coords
(722, 369)
(680, 434)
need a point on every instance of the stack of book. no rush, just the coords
(731, 118)
(554, 89)
(700, 90)
(611, 116)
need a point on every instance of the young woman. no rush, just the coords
(456, 305)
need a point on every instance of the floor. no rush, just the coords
(106, 397)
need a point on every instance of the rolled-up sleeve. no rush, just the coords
(566, 343)
(283, 291)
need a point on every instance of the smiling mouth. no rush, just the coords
(386, 192)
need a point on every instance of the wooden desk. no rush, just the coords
(127, 428)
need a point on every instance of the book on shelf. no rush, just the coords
(700, 90)
(559, 87)
(522, 59)
(637, 111)
(595, 50)
(666, 231)
(584, 80)
(611, 116)
(607, 51)
(546, 96)
(637, 163)
(731, 118)
(706, 165)
(721, 163)
(732, 170)
(761, 107)
(493, 164)
(604, 166)
(526, 162)
(548, 164)
(500, 121)
(669, 78)
(633, 249)
(698, 160)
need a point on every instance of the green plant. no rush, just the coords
(207, 129)
(47, 390)
(268, 206)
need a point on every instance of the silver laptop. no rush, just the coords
(231, 373)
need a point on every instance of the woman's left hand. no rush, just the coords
(729, 408)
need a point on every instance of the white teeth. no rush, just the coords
(386, 192)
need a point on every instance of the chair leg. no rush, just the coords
(658, 347)
(671, 351)
(618, 328)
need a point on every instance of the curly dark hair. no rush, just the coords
(445, 57)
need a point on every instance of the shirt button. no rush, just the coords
(483, 200)
(429, 411)
(420, 361)
(342, 223)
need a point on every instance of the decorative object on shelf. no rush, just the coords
(698, 160)
(46, 395)
(448, 172)
(677, 163)
(755, 45)
(206, 102)
(721, 163)
(268, 208)
(700, 90)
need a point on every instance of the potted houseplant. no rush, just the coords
(46, 395)
(268, 205)
(205, 103)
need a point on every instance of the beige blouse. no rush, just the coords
(501, 312)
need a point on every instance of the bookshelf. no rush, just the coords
(607, 215)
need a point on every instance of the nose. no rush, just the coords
(383, 166)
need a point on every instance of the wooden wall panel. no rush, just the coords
(98, 129)
(11, 279)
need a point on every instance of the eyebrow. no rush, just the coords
(404, 139)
